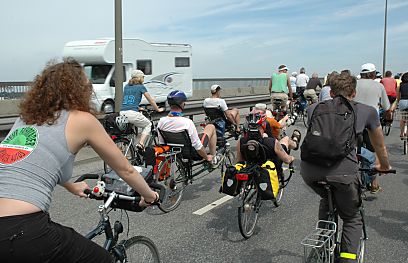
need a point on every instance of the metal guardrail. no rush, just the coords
(192, 108)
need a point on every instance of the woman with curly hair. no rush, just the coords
(54, 124)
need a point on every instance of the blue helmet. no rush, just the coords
(176, 98)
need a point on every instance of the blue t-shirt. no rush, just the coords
(132, 95)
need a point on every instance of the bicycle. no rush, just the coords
(323, 245)
(299, 106)
(180, 166)
(403, 117)
(386, 124)
(125, 140)
(116, 195)
(250, 199)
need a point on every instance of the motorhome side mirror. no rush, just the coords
(112, 83)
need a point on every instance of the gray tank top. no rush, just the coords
(33, 160)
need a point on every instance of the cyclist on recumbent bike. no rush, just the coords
(275, 150)
(175, 122)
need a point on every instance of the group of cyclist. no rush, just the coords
(56, 122)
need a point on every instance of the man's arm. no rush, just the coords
(289, 87)
(385, 102)
(377, 141)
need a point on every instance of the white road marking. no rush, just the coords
(213, 205)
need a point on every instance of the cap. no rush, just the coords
(137, 73)
(367, 68)
(283, 67)
(260, 106)
(215, 88)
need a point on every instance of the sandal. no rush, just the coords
(296, 137)
(376, 190)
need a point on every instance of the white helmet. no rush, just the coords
(294, 74)
(122, 122)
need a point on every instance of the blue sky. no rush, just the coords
(230, 38)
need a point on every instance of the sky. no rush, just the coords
(229, 38)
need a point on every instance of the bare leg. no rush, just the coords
(402, 124)
(212, 138)
(290, 144)
(143, 138)
(233, 117)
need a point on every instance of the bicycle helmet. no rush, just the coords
(122, 122)
(176, 98)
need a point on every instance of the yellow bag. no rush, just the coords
(273, 176)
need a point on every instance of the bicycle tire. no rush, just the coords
(405, 146)
(139, 249)
(250, 206)
(361, 249)
(304, 116)
(124, 145)
(278, 199)
(386, 127)
(175, 183)
(228, 160)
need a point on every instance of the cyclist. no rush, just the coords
(54, 124)
(372, 93)
(344, 175)
(390, 85)
(216, 101)
(279, 86)
(310, 91)
(301, 81)
(276, 150)
(402, 99)
(175, 122)
(132, 96)
(274, 127)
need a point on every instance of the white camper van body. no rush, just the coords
(166, 67)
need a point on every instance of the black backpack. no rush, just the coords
(331, 135)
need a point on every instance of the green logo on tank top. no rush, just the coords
(18, 145)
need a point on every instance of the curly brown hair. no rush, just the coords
(60, 86)
(343, 84)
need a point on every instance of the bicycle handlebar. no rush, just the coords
(153, 185)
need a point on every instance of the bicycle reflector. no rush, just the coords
(241, 177)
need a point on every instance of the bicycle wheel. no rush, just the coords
(278, 199)
(139, 249)
(248, 211)
(126, 148)
(228, 160)
(304, 116)
(386, 128)
(360, 258)
(173, 175)
(405, 146)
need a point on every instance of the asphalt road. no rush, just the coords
(182, 236)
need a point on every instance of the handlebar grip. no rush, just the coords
(375, 171)
(161, 188)
(86, 176)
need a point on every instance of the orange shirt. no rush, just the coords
(275, 126)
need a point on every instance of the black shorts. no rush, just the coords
(35, 238)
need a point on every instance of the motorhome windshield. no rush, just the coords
(97, 73)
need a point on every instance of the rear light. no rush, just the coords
(242, 177)
(202, 125)
(113, 137)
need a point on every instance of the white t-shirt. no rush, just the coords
(371, 93)
(293, 83)
(302, 80)
(214, 103)
(178, 124)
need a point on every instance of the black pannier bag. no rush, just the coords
(114, 183)
(230, 185)
(331, 135)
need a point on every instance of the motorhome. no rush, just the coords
(166, 67)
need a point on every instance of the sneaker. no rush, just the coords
(376, 190)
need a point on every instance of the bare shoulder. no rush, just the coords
(83, 118)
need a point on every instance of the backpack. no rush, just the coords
(331, 135)
(109, 123)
